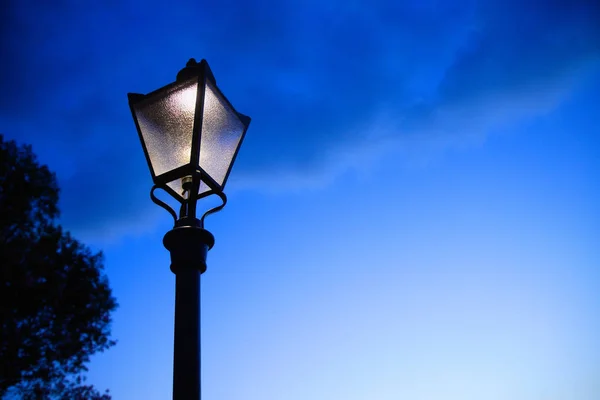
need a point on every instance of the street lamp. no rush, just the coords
(190, 134)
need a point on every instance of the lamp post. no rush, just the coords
(190, 134)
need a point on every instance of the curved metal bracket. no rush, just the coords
(161, 203)
(216, 209)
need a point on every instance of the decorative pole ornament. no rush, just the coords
(190, 134)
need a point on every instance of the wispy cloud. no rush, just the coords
(328, 85)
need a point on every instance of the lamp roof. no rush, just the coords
(193, 69)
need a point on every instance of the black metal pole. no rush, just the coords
(186, 355)
(188, 244)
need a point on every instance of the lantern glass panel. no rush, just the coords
(221, 134)
(178, 187)
(166, 121)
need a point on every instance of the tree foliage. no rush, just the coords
(55, 301)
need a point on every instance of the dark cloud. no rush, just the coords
(325, 82)
(519, 46)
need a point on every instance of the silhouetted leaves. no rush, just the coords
(55, 301)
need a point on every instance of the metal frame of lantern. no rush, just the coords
(192, 172)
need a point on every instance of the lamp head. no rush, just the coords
(190, 133)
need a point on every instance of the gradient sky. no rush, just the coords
(414, 213)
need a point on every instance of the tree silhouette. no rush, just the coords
(55, 301)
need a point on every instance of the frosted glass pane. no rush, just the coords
(166, 121)
(203, 188)
(178, 188)
(221, 133)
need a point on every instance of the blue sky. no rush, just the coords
(413, 213)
